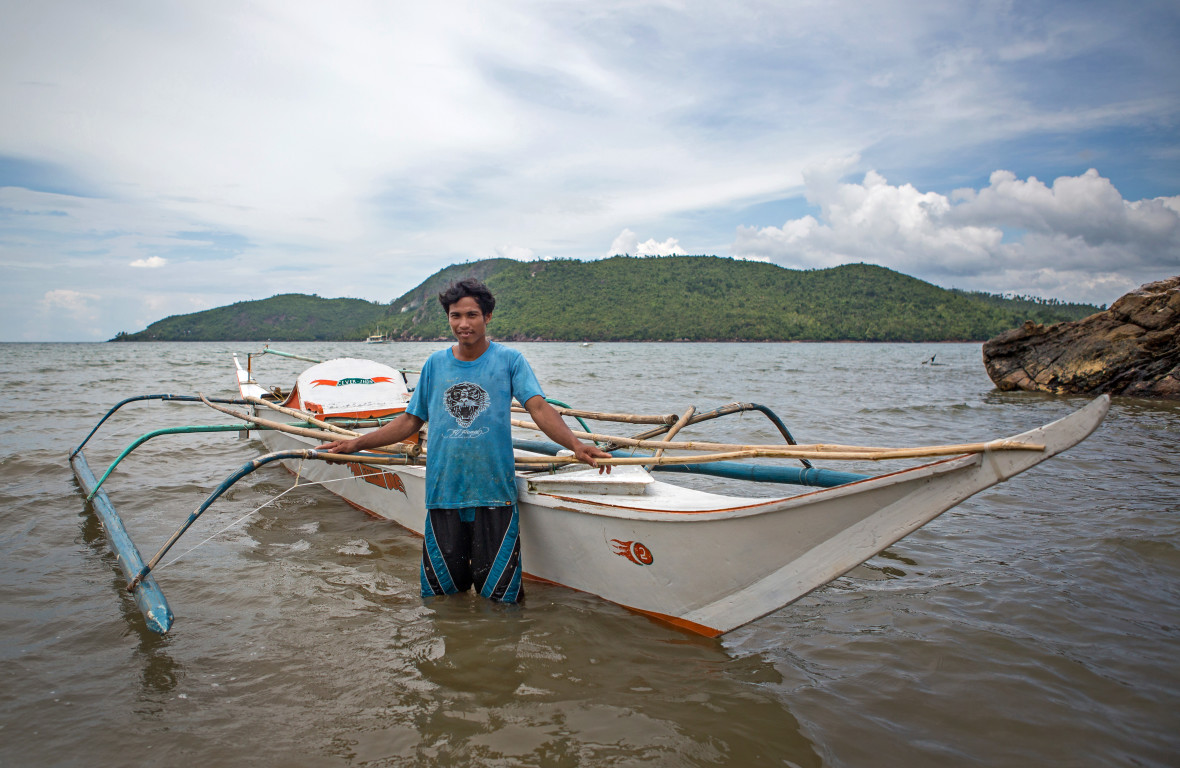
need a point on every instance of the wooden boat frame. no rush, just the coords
(705, 562)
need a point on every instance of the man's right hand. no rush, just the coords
(394, 432)
(338, 446)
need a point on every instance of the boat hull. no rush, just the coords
(706, 562)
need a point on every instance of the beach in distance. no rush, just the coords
(1035, 624)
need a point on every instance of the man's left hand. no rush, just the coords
(589, 454)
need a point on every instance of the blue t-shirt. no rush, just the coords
(469, 444)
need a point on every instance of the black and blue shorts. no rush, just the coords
(477, 546)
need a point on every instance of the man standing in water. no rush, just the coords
(465, 392)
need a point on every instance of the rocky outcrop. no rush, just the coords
(1131, 349)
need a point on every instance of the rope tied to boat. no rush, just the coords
(251, 466)
(259, 508)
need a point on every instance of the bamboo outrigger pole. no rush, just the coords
(408, 449)
(813, 451)
(310, 418)
(930, 451)
(679, 425)
(667, 421)
(627, 418)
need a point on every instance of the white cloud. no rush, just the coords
(520, 253)
(628, 243)
(1077, 238)
(364, 145)
(77, 303)
(669, 247)
(1087, 207)
(153, 262)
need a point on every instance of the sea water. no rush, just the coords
(1037, 623)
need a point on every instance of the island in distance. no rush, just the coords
(670, 298)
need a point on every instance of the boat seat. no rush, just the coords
(622, 481)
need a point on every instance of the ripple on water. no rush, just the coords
(1035, 624)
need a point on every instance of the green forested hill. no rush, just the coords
(287, 317)
(693, 298)
(699, 298)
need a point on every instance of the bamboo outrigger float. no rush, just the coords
(706, 562)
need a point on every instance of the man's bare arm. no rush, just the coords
(554, 426)
(393, 432)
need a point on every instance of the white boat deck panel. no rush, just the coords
(618, 490)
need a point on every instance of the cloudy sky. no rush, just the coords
(162, 158)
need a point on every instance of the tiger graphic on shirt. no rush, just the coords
(466, 401)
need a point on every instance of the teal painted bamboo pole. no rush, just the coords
(560, 404)
(192, 428)
(168, 398)
(147, 594)
(197, 428)
(261, 461)
(761, 473)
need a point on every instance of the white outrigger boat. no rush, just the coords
(706, 562)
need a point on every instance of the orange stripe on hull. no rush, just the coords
(691, 626)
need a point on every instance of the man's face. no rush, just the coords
(468, 322)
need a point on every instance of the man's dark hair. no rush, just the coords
(468, 286)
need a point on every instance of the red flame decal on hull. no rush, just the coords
(387, 480)
(633, 551)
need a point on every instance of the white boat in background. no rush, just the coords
(376, 338)
(702, 561)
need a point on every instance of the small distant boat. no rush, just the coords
(586, 344)
(705, 562)
(376, 338)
